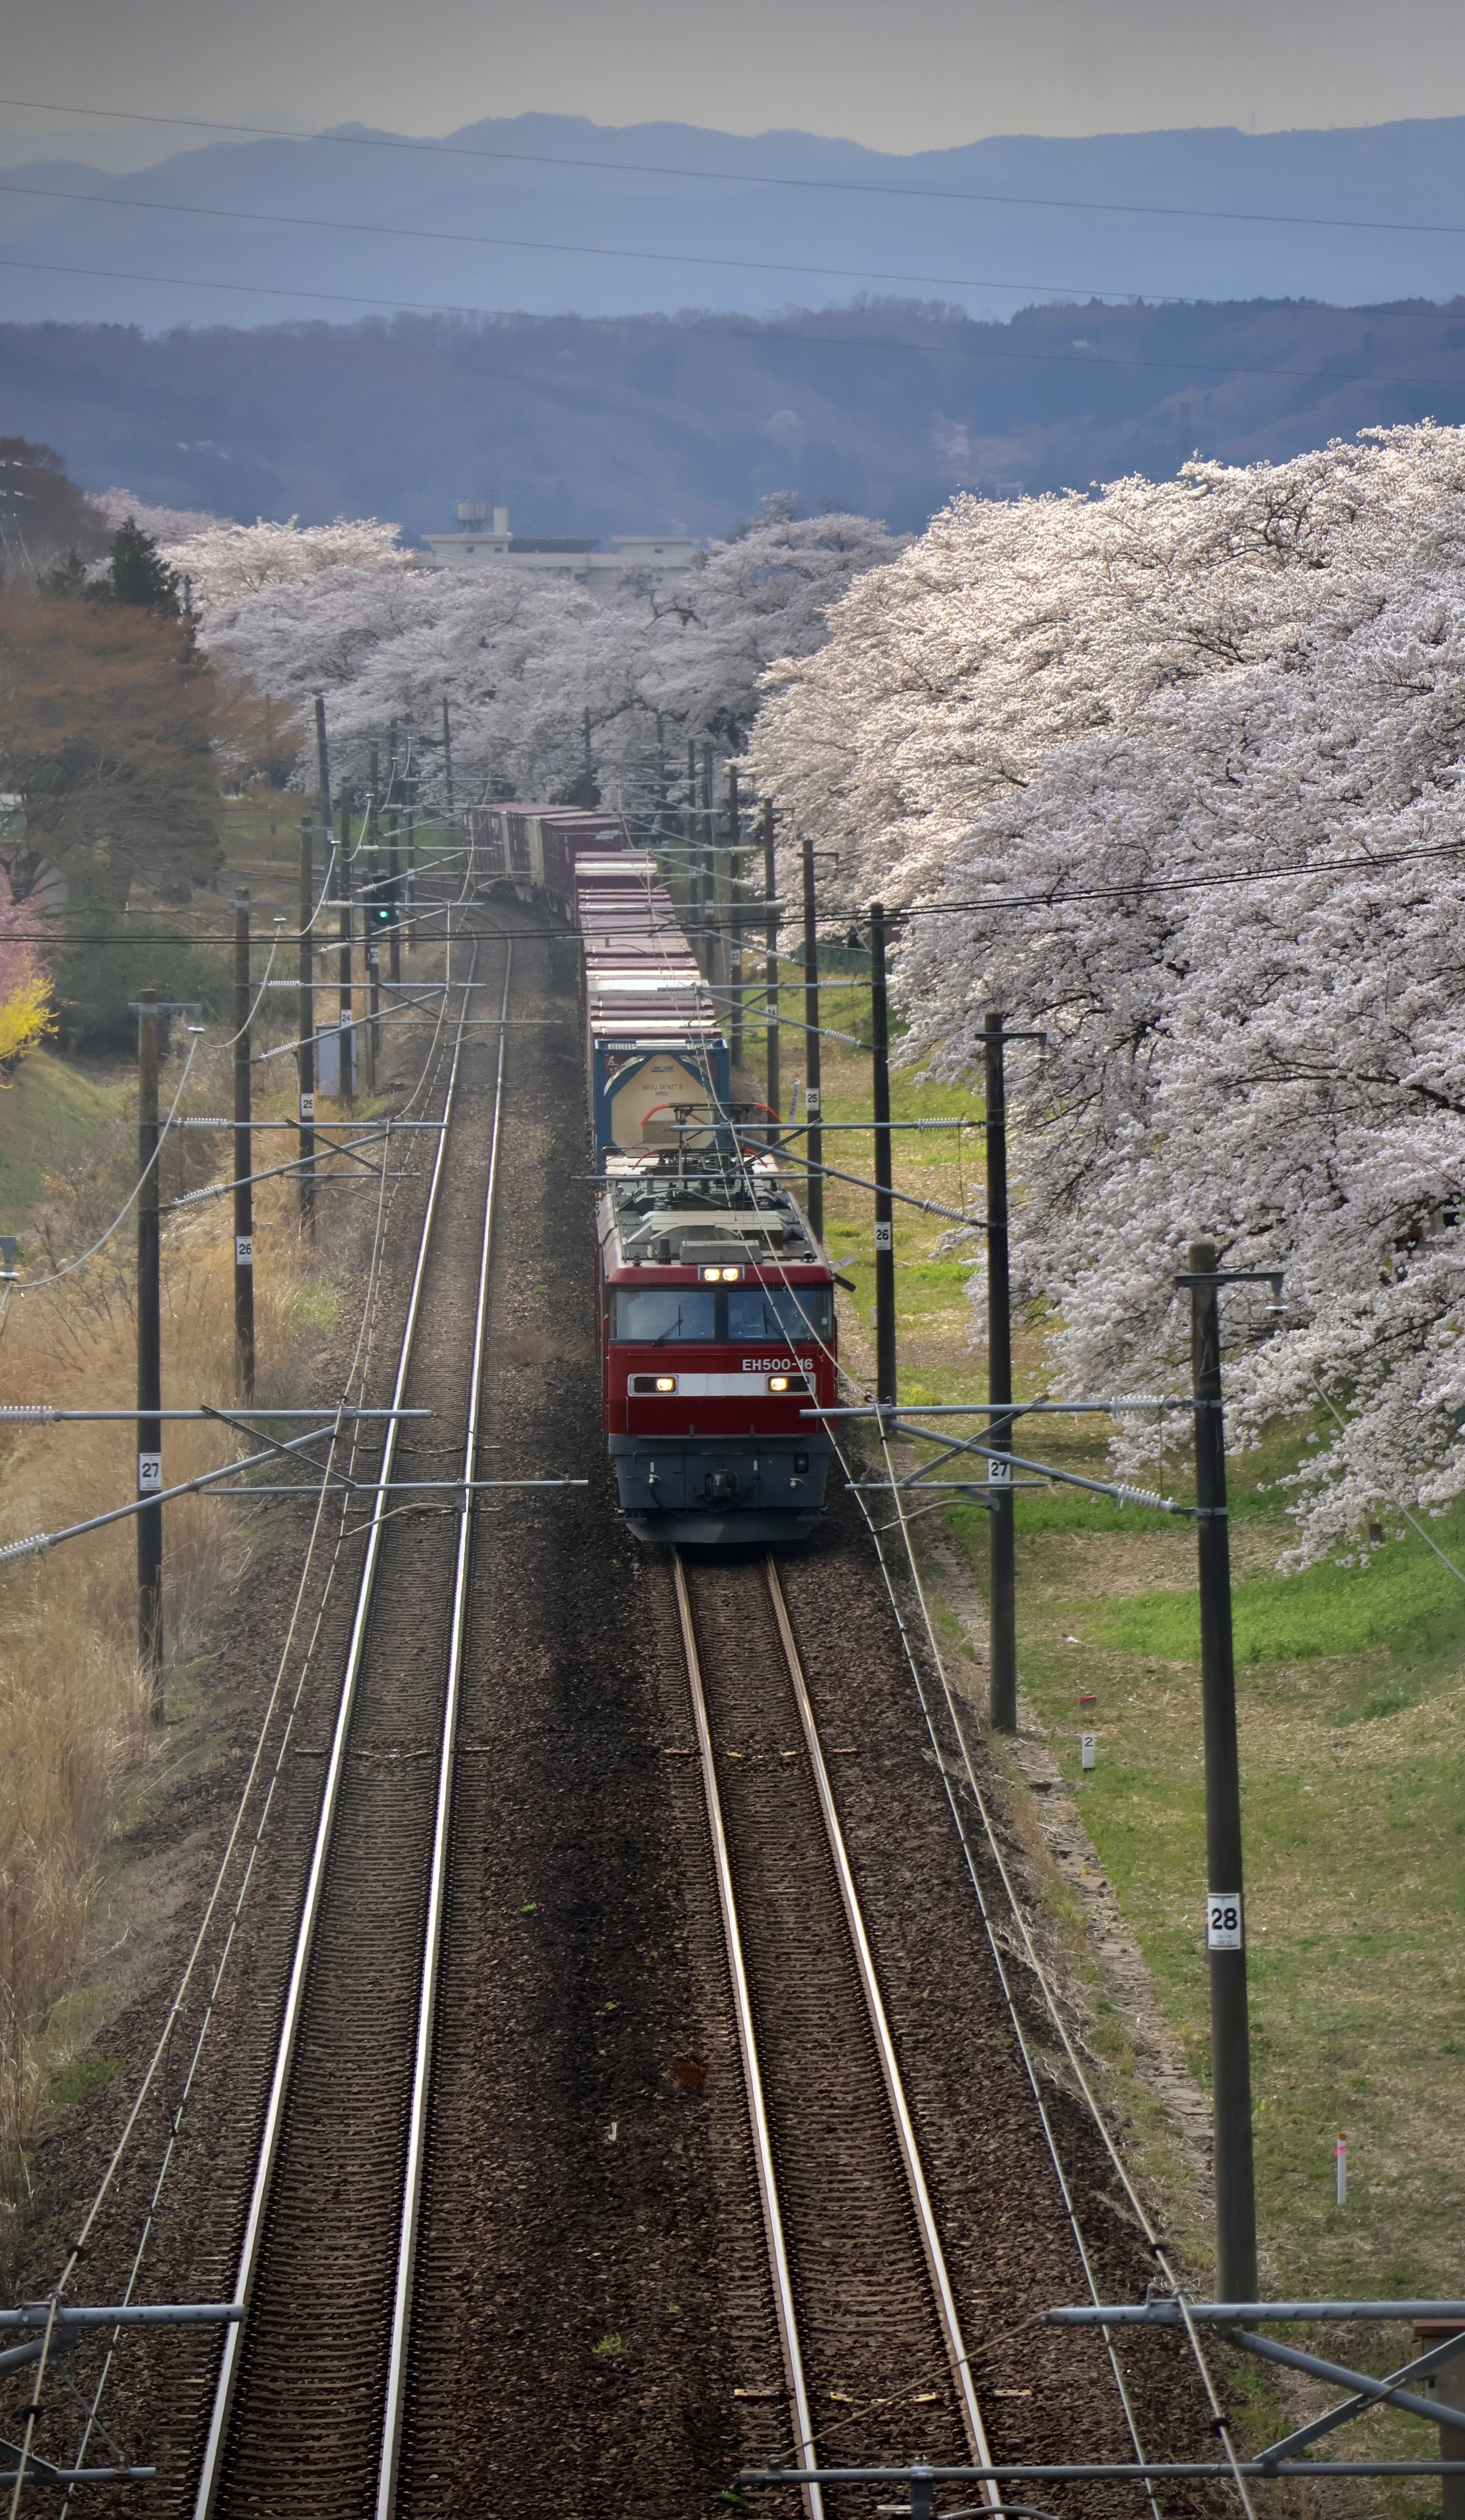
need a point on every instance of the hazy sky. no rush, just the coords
(898, 75)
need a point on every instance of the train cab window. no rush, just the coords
(790, 1314)
(652, 1314)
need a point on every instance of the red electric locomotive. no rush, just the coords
(716, 1333)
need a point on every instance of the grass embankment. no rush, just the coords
(51, 1117)
(1351, 1689)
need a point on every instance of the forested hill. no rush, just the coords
(686, 424)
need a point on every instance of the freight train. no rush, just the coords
(714, 1305)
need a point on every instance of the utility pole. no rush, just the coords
(244, 1193)
(348, 1039)
(447, 753)
(770, 896)
(689, 853)
(814, 1137)
(708, 866)
(149, 1352)
(411, 788)
(322, 757)
(1002, 1646)
(884, 1206)
(305, 1031)
(1225, 1931)
(394, 877)
(372, 893)
(735, 922)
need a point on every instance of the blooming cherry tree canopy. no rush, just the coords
(1180, 782)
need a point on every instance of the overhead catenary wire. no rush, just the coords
(742, 1158)
(1065, 2188)
(357, 1371)
(1054, 2010)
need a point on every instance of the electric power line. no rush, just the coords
(741, 175)
(1028, 358)
(1183, 882)
(604, 253)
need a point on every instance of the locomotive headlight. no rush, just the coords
(720, 1277)
(778, 1382)
(665, 1383)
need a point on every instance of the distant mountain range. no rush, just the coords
(658, 424)
(549, 215)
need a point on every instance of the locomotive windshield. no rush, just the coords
(790, 1314)
(747, 1316)
(654, 1313)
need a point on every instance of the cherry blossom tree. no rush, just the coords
(224, 561)
(546, 682)
(1189, 803)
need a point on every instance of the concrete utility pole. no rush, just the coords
(770, 896)
(149, 1350)
(1225, 1919)
(1002, 1646)
(305, 1031)
(884, 1206)
(244, 1191)
(448, 753)
(394, 878)
(322, 757)
(814, 1135)
(734, 916)
(709, 869)
(348, 1039)
(410, 784)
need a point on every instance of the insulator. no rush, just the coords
(24, 1547)
(208, 1123)
(27, 1413)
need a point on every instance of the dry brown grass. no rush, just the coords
(75, 1705)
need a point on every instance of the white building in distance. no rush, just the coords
(474, 544)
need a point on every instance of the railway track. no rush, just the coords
(874, 2366)
(309, 2402)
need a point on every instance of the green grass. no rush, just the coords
(82, 2075)
(50, 1116)
(1402, 1597)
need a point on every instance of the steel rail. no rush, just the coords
(920, 2194)
(763, 2143)
(211, 2474)
(426, 2007)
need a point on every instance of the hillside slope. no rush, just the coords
(657, 424)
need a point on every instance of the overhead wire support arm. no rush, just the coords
(40, 1541)
(895, 1420)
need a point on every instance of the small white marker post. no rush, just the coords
(1087, 1742)
(1339, 2158)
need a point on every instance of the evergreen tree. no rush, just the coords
(139, 575)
